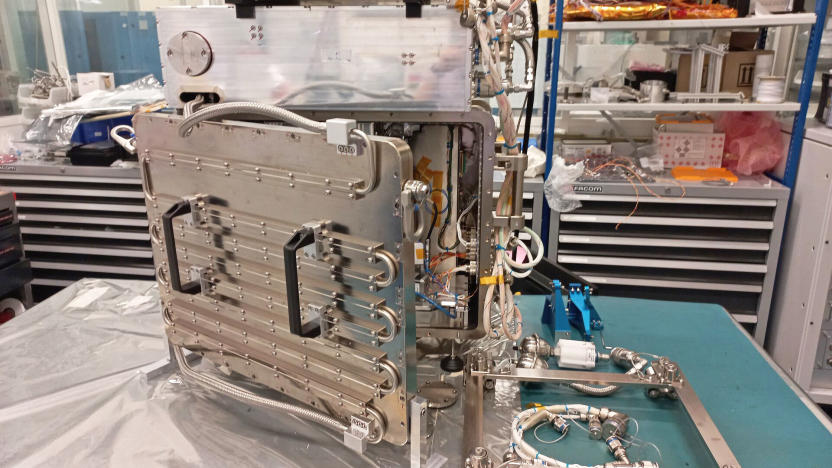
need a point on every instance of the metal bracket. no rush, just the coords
(198, 274)
(196, 217)
(512, 162)
(515, 223)
(355, 438)
(316, 250)
(418, 429)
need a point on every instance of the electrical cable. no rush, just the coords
(530, 95)
(435, 304)
(459, 222)
(432, 222)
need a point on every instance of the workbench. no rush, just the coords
(85, 383)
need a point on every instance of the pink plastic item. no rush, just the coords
(753, 142)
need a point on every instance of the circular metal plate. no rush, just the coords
(189, 53)
(438, 394)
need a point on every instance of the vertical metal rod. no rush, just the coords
(553, 64)
(418, 429)
(472, 413)
(796, 142)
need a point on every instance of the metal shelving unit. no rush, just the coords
(678, 106)
(761, 21)
(712, 244)
(635, 263)
(552, 61)
(79, 222)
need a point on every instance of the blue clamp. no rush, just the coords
(577, 312)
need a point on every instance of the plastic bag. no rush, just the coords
(753, 142)
(559, 184)
(537, 163)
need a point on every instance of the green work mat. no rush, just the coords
(764, 422)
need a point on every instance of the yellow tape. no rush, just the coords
(535, 405)
(489, 280)
(548, 34)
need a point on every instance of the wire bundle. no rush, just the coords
(557, 416)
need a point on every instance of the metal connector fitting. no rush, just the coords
(617, 449)
(594, 427)
(615, 425)
(559, 424)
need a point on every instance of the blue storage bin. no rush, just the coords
(99, 130)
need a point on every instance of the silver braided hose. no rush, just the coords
(248, 397)
(249, 108)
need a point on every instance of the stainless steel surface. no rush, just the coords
(243, 316)
(431, 140)
(438, 393)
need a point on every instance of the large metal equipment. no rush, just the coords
(306, 247)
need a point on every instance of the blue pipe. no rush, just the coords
(799, 125)
(551, 110)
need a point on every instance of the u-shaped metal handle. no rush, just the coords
(129, 144)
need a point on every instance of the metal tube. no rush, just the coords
(249, 397)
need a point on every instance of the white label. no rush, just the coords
(347, 150)
(359, 427)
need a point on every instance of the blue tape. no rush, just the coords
(489, 13)
(499, 93)
(511, 146)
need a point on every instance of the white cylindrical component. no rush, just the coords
(574, 354)
(771, 89)
(763, 64)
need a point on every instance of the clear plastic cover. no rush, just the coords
(559, 184)
(345, 57)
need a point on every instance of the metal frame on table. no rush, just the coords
(478, 371)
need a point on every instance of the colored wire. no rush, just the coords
(436, 305)
(432, 222)
(447, 199)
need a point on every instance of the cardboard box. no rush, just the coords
(737, 72)
(96, 80)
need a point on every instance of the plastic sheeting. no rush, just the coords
(84, 383)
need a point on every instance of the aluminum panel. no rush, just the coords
(261, 183)
(344, 57)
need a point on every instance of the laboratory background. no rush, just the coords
(416, 233)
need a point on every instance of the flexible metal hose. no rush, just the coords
(237, 108)
(608, 389)
(249, 397)
(593, 390)
(278, 113)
